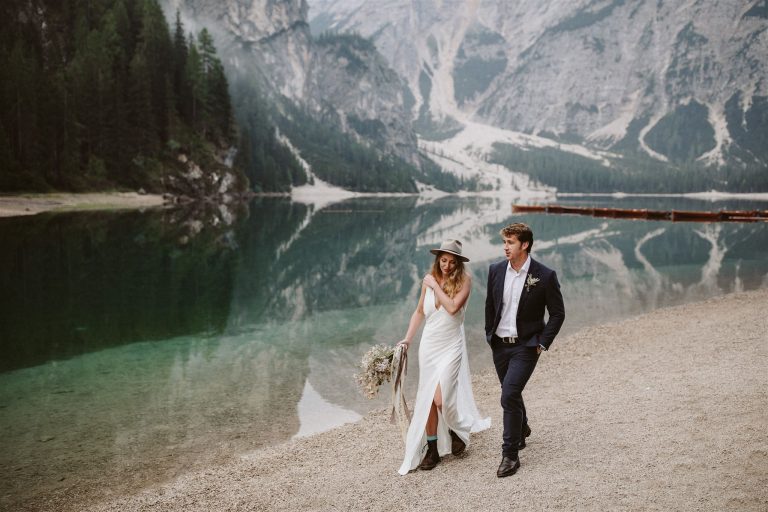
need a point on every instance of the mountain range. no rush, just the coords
(489, 89)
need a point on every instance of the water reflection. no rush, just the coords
(622, 268)
(134, 348)
(73, 283)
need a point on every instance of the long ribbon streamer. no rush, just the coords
(400, 413)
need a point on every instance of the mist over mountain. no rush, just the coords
(335, 97)
(389, 96)
(489, 95)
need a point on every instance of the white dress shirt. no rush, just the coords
(513, 288)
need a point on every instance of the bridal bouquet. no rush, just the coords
(376, 367)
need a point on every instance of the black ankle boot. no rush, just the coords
(457, 445)
(432, 457)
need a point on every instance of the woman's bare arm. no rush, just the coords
(416, 318)
(452, 305)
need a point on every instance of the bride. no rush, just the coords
(445, 412)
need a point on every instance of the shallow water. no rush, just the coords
(140, 345)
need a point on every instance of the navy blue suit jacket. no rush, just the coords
(531, 328)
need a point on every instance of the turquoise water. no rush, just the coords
(140, 345)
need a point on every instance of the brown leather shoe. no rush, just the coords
(508, 466)
(457, 445)
(432, 458)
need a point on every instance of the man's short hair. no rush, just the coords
(521, 231)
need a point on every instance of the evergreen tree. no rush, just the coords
(141, 117)
(117, 39)
(181, 88)
(196, 80)
(210, 88)
(90, 93)
(220, 111)
(20, 107)
(154, 51)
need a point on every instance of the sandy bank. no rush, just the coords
(666, 411)
(31, 204)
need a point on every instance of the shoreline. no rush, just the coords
(16, 205)
(711, 195)
(661, 411)
(32, 204)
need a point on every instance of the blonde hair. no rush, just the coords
(452, 282)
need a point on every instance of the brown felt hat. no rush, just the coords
(451, 247)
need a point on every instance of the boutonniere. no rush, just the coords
(531, 281)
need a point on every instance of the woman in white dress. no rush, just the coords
(444, 413)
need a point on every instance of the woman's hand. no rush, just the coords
(404, 343)
(430, 281)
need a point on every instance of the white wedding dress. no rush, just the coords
(442, 360)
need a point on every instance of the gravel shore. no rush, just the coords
(666, 411)
(31, 204)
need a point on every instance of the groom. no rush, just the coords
(519, 289)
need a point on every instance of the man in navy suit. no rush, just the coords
(519, 290)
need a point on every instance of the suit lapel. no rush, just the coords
(532, 271)
(498, 288)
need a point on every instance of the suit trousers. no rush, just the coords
(514, 366)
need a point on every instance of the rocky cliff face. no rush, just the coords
(343, 79)
(608, 73)
(268, 39)
(352, 80)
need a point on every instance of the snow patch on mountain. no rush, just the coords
(617, 129)
(466, 154)
(641, 139)
(722, 137)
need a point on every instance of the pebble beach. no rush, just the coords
(664, 411)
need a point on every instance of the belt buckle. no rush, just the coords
(510, 340)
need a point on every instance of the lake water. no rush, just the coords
(140, 345)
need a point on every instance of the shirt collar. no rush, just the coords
(523, 269)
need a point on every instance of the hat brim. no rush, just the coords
(438, 251)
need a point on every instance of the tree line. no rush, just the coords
(569, 172)
(269, 165)
(100, 94)
(338, 159)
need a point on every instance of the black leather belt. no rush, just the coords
(507, 339)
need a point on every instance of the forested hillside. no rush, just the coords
(574, 173)
(105, 94)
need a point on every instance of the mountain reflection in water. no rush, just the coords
(135, 348)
